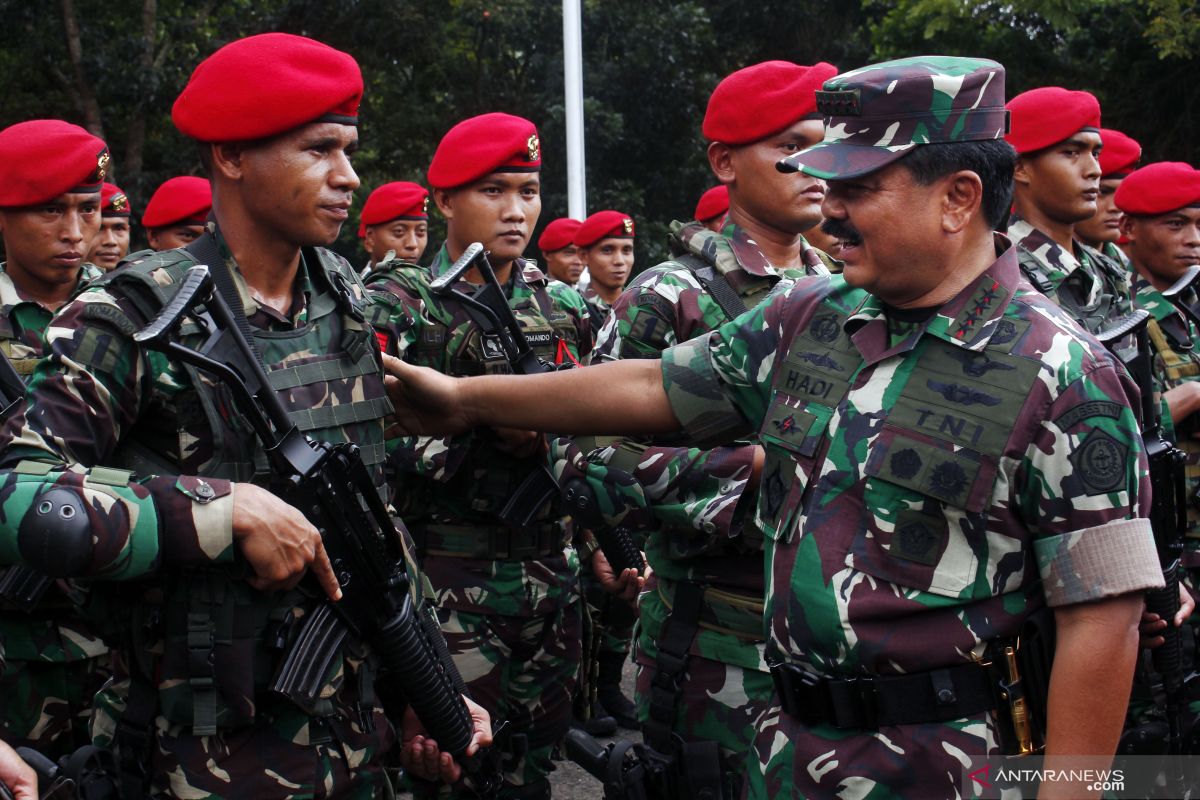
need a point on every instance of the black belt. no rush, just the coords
(871, 701)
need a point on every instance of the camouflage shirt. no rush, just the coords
(924, 493)
(50, 633)
(1174, 340)
(100, 400)
(1092, 288)
(457, 485)
(697, 495)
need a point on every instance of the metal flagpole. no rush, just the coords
(573, 88)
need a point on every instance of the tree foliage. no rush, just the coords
(649, 66)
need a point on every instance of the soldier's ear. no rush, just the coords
(720, 159)
(369, 239)
(1127, 227)
(1021, 173)
(444, 200)
(962, 200)
(227, 160)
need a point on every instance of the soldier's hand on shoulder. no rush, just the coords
(18, 776)
(278, 542)
(427, 403)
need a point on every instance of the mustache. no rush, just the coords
(842, 231)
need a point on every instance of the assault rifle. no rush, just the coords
(488, 308)
(633, 771)
(1168, 518)
(331, 486)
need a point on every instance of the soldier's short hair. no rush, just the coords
(993, 160)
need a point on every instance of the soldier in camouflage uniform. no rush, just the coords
(604, 243)
(505, 580)
(1162, 223)
(112, 242)
(1056, 134)
(207, 560)
(50, 210)
(947, 454)
(1118, 158)
(395, 224)
(724, 687)
(177, 211)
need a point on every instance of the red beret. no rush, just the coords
(479, 146)
(1120, 154)
(179, 201)
(713, 203)
(755, 102)
(396, 200)
(604, 225)
(1048, 115)
(558, 234)
(1159, 189)
(113, 202)
(43, 158)
(265, 85)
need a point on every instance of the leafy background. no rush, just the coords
(649, 66)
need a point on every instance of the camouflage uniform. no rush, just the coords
(1092, 288)
(914, 477)
(932, 480)
(508, 599)
(597, 306)
(198, 644)
(55, 661)
(725, 688)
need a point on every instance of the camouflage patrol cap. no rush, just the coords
(876, 114)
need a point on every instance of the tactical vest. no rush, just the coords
(949, 460)
(715, 280)
(220, 638)
(1177, 370)
(1093, 317)
(542, 322)
(493, 478)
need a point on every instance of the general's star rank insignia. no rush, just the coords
(533, 148)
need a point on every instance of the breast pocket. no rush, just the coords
(790, 435)
(926, 505)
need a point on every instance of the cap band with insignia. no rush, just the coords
(713, 203)
(113, 202)
(395, 200)
(44, 158)
(1049, 115)
(479, 146)
(185, 200)
(558, 234)
(604, 225)
(876, 114)
(1159, 188)
(266, 85)
(759, 100)
(1120, 154)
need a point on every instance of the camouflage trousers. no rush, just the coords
(908, 762)
(283, 754)
(523, 670)
(46, 704)
(718, 702)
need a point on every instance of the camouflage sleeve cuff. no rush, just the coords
(1105, 561)
(698, 400)
(701, 490)
(195, 518)
(437, 458)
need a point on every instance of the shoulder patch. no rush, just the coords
(103, 312)
(1100, 463)
(1092, 408)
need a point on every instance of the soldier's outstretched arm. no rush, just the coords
(619, 397)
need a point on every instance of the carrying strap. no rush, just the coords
(678, 632)
(206, 252)
(716, 284)
(134, 734)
